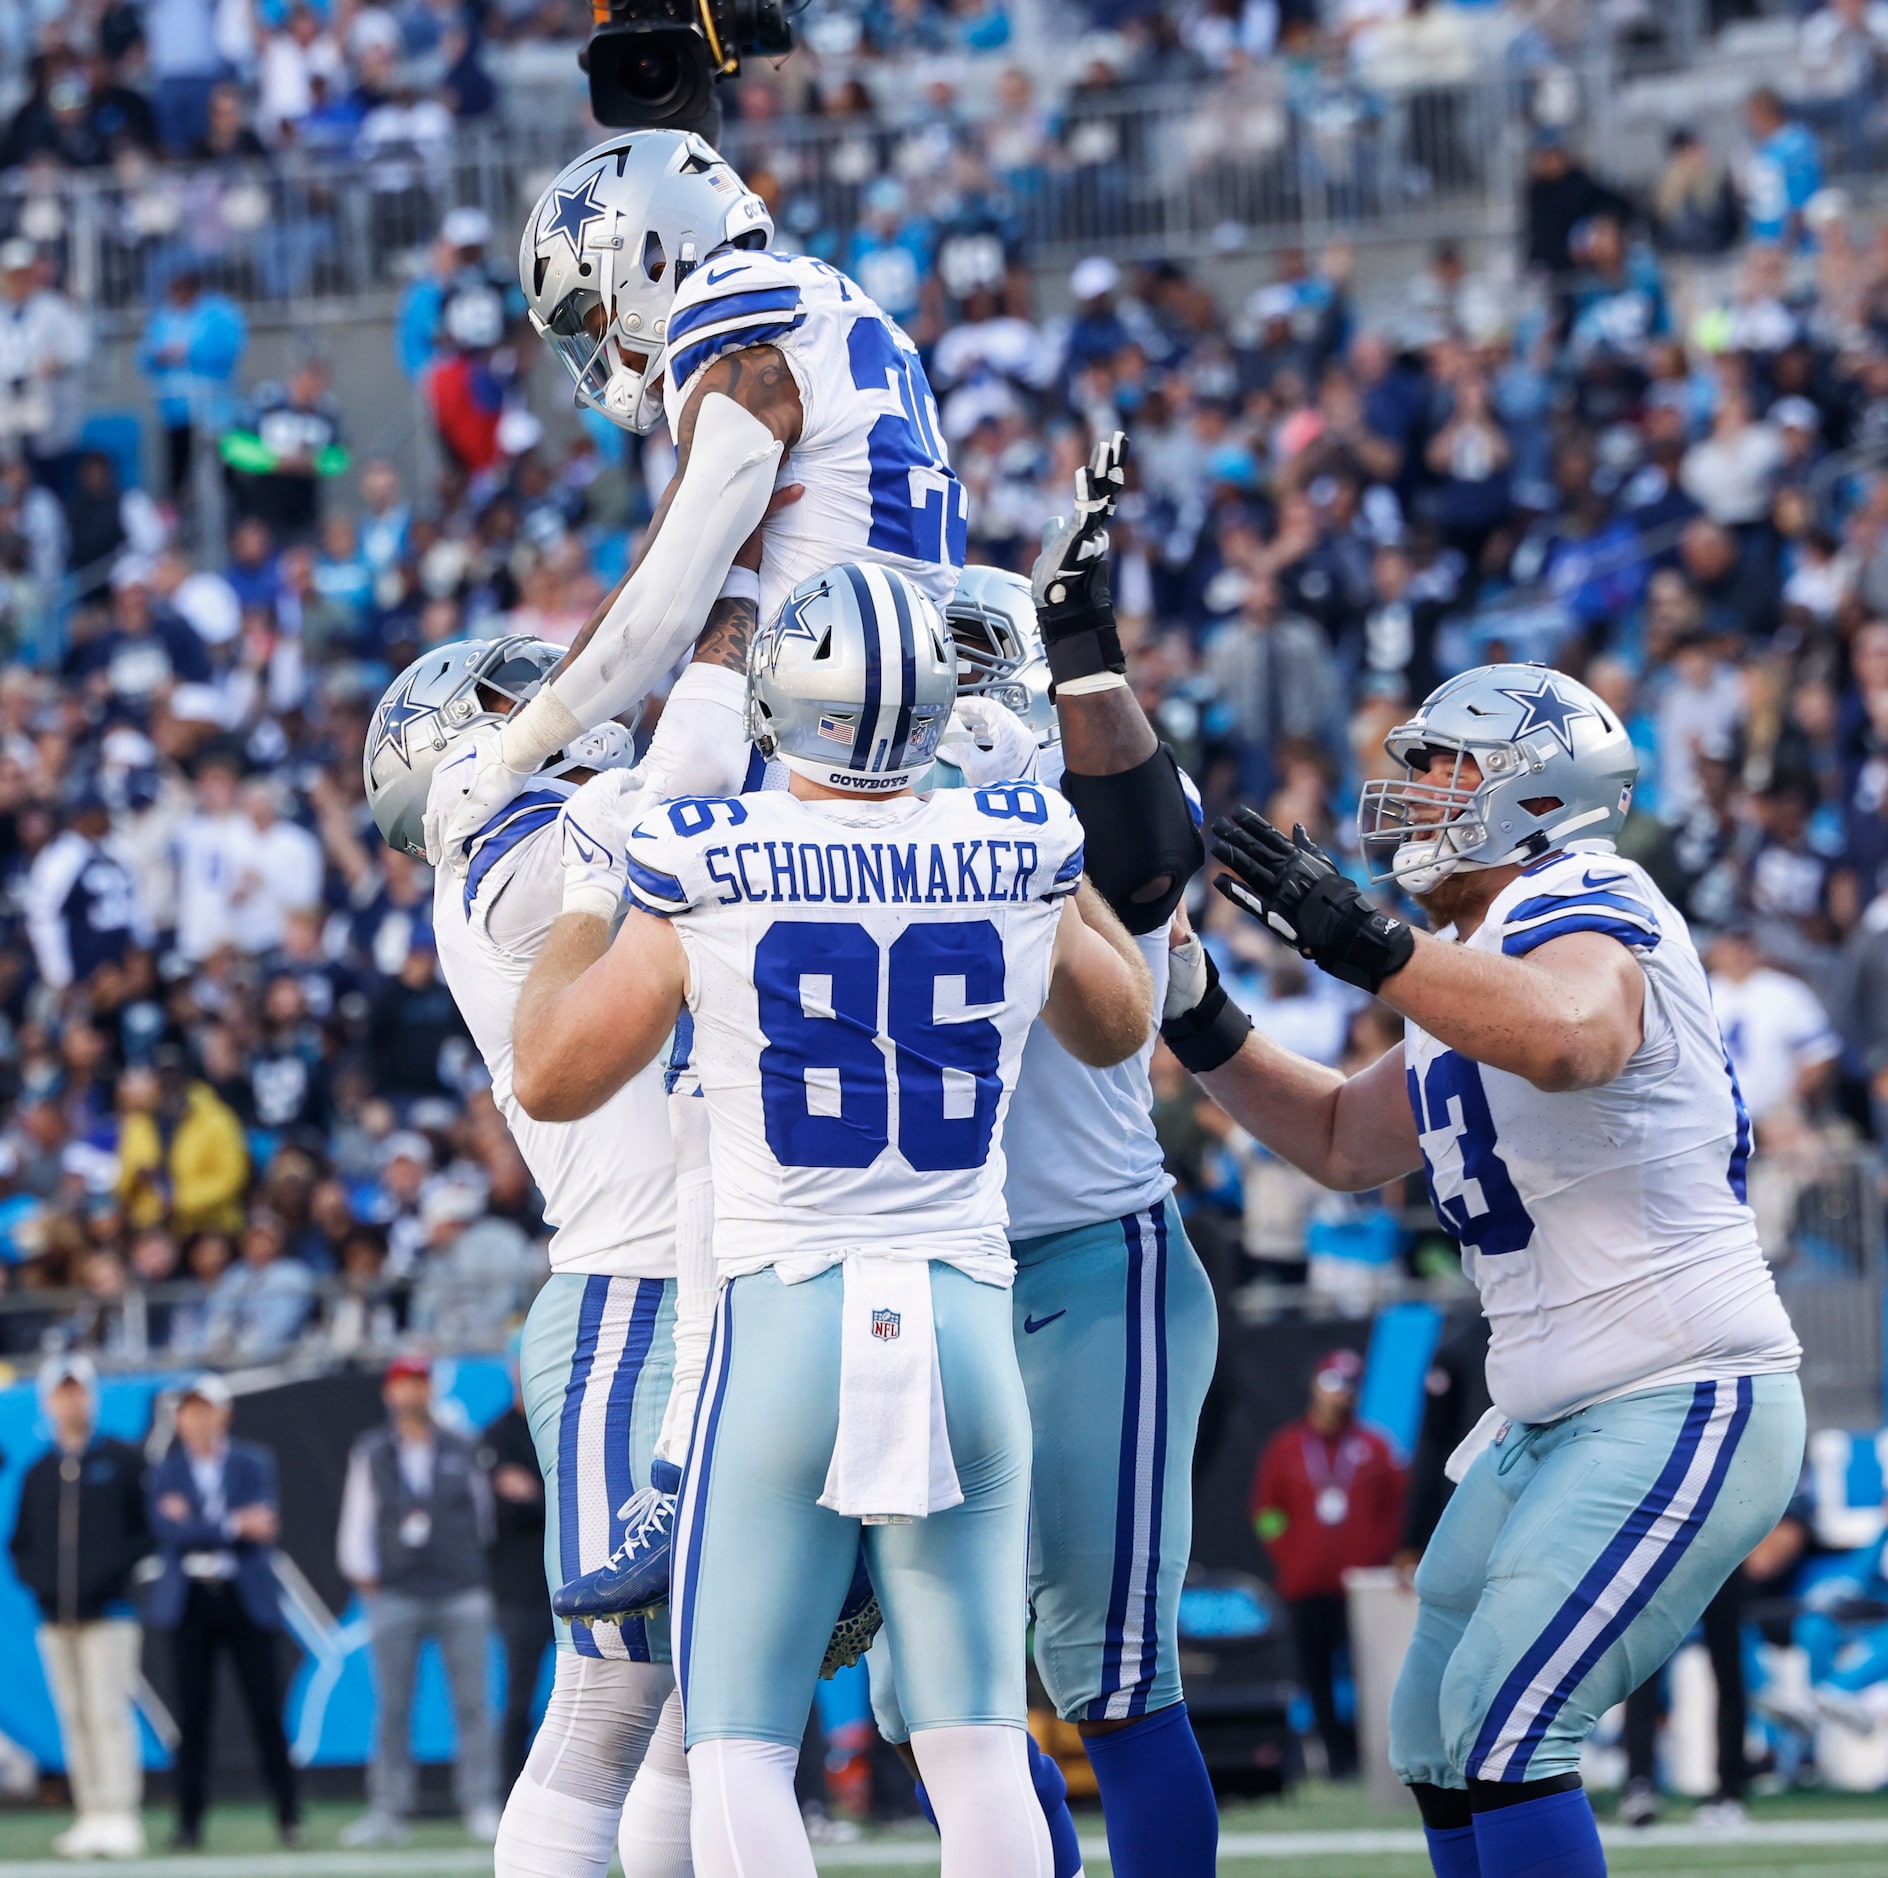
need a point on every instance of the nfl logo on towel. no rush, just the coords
(885, 1325)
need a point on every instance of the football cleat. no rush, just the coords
(634, 1579)
(860, 1620)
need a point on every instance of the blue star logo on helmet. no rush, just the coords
(1546, 709)
(572, 211)
(793, 621)
(396, 714)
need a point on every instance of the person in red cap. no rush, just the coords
(416, 1519)
(1328, 1495)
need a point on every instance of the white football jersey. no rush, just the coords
(861, 979)
(1080, 1141)
(1606, 1228)
(608, 1180)
(870, 455)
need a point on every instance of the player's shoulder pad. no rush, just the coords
(732, 300)
(665, 865)
(1581, 890)
(496, 845)
(1030, 813)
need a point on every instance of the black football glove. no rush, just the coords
(1074, 608)
(1296, 889)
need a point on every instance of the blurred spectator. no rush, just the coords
(186, 60)
(291, 442)
(83, 905)
(44, 340)
(79, 1535)
(459, 269)
(258, 1307)
(1561, 194)
(1785, 169)
(281, 870)
(181, 1157)
(1777, 1034)
(1328, 1496)
(517, 1573)
(214, 1511)
(191, 348)
(416, 1517)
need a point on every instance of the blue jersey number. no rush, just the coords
(1469, 1184)
(825, 1085)
(918, 507)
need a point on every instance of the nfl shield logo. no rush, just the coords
(884, 1325)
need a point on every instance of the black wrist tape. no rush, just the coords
(1210, 1034)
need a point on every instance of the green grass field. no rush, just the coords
(1321, 1832)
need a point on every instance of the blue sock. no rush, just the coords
(1052, 1794)
(1552, 1837)
(1452, 1851)
(1163, 1821)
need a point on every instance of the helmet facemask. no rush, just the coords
(1419, 828)
(596, 331)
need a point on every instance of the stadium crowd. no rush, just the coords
(240, 1110)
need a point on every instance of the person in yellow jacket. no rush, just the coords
(182, 1159)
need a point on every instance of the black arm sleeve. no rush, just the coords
(1138, 827)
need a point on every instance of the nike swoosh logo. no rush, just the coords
(1033, 1324)
(714, 280)
(586, 852)
(1605, 880)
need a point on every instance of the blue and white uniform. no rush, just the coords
(862, 976)
(1116, 1336)
(877, 477)
(1648, 1426)
(596, 1357)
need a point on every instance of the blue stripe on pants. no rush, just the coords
(596, 1294)
(1606, 1571)
(1131, 1647)
(616, 1457)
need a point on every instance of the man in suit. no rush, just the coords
(213, 1510)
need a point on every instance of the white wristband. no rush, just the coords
(742, 583)
(1094, 682)
(591, 897)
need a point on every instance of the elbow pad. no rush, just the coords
(720, 499)
(1138, 826)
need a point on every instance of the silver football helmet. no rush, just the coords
(606, 248)
(992, 617)
(852, 684)
(1555, 766)
(440, 700)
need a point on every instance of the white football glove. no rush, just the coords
(988, 742)
(470, 786)
(593, 831)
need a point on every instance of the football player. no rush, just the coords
(645, 266)
(861, 967)
(1563, 1082)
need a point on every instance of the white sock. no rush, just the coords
(652, 1837)
(988, 1816)
(744, 1820)
(560, 1819)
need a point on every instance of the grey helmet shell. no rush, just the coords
(1555, 762)
(992, 617)
(619, 230)
(852, 683)
(433, 705)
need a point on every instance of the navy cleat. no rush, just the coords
(634, 1580)
(860, 1620)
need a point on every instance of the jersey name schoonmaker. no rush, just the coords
(862, 975)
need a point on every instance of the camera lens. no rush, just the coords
(654, 76)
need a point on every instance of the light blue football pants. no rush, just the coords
(1571, 1562)
(594, 1366)
(762, 1568)
(1116, 1335)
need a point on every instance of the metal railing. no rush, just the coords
(1184, 170)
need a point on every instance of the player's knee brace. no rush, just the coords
(1140, 838)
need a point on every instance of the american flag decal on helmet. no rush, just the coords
(885, 1325)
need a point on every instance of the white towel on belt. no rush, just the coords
(892, 1458)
